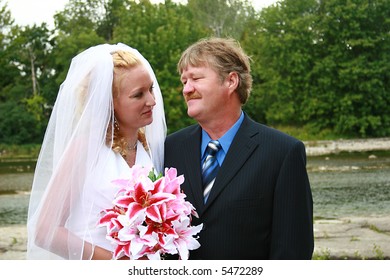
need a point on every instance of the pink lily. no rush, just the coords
(142, 200)
(185, 240)
(165, 245)
(163, 224)
(109, 218)
(172, 182)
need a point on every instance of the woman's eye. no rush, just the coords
(137, 95)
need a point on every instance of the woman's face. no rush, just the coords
(135, 100)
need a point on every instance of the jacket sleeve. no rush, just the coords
(292, 229)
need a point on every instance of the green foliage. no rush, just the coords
(225, 18)
(379, 254)
(12, 151)
(7, 71)
(79, 15)
(152, 176)
(350, 79)
(320, 68)
(35, 105)
(342, 82)
(17, 126)
(323, 255)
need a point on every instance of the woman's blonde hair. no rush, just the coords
(123, 60)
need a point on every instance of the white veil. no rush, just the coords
(73, 160)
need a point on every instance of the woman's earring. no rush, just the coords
(116, 124)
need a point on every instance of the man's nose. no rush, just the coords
(188, 87)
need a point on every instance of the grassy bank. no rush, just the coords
(28, 151)
(310, 134)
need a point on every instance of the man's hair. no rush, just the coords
(223, 55)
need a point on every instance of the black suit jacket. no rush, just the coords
(260, 206)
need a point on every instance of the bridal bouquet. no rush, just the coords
(150, 217)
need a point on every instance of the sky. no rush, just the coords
(28, 12)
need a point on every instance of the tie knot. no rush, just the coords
(213, 147)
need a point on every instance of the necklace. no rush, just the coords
(130, 153)
(132, 147)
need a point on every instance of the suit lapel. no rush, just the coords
(240, 150)
(191, 152)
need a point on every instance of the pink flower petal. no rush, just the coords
(134, 210)
(153, 213)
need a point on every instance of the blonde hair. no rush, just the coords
(123, 60)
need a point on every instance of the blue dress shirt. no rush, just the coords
(225, 141)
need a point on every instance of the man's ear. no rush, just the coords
(232, 80)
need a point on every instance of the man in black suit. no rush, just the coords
(260, 204)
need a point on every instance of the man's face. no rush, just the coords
(203, 91)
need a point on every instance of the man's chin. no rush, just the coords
(192, 113)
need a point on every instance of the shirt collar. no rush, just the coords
(225, 140)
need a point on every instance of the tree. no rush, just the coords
(351, 74)
(7, 72)
(24, 69)
(29, 61)
(280, 44)
(222, 17)
(110, 19)
(80, 15)
(30, 48)
(323, 65)
(17, 126)
(76, 30)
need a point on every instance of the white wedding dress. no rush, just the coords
(103, 194)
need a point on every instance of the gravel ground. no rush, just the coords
(326, 147)
(353, 238)
(346, 238)
(13, 241)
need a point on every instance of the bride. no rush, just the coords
(108, 116)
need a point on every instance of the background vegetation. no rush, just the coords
(320, 67)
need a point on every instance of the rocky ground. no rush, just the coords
(346, 238)
(13, 241)
(353, 238)
(316, 148)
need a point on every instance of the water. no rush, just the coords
(13, 209)
(15, 184)
(342, 185)
(350, 184)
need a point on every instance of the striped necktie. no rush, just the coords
(210, 167)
